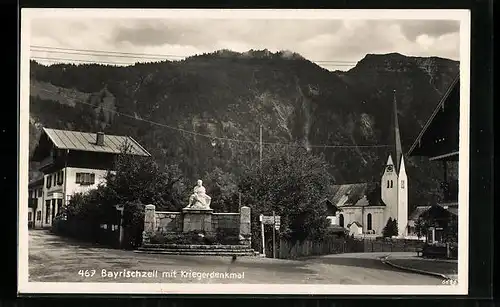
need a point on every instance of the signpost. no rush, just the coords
(263, 239)
(275, 221)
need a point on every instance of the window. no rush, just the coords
(402, 184)
(40, 192)
(48, 181)
(30, 216)
(388, 183)
(369, 221)
(47, 211)
(38, 215)
(85, 178)
(60, 177)
(341, 220)
(391, 183)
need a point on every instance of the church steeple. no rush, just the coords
(397, 140)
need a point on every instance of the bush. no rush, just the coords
(227, 236)
(187, 238)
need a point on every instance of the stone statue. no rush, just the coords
(199, 199)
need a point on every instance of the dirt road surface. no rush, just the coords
(56, 259)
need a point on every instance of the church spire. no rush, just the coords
(399, 150)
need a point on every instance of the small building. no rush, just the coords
(439, 141)
(75, 162)
(35, 200)
(355, 228)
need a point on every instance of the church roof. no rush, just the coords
(354, 194)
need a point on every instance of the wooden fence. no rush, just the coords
(288, 250)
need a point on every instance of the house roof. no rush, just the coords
(450, 207)
(336, 228)
(418, 212)
(84, 141)
(352, 195)
(455, 83)
(356, 223)
(35, 183)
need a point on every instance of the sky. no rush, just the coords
(333, 44)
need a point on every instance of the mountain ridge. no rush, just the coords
(230, 96)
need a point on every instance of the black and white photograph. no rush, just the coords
(244, 151)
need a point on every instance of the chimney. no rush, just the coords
(100, 139)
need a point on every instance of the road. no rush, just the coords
(55, 259)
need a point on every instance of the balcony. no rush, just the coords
(46, 162)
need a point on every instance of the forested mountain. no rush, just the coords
(229, 95)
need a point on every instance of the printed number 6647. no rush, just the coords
(86, 273)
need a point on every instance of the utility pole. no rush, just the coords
(263, 235)
(239, 201)
(274, 235)
(260, 147)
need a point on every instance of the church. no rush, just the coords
(363, 209)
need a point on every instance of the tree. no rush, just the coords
(222, 187)
(421, 226)
(292, 182)
(141, 179)
(390, 229)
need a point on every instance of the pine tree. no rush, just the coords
(390, 229)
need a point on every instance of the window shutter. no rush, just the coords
(78, 177)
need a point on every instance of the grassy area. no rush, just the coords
(436, 266)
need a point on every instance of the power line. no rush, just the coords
(107, 52)
(81, 60)
(214, 137)
(103, 54)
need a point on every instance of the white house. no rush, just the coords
(74, 161)
(35, 199)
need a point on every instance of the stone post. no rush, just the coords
(245, 228)
(149, 223)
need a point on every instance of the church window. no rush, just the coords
(388, 183)
(369, 221)
(402, 184)
(391, 183)
(341, 220)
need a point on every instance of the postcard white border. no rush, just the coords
(26, 287)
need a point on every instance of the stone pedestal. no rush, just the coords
(245, 226)
(197, 220)
(149, 223)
